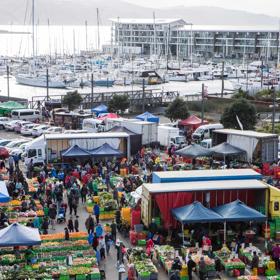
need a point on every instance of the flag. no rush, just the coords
(239, 122)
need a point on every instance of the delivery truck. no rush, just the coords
(168, 136)
(148, 130)
(48, 147)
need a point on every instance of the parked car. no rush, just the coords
(39, 130)
(10, 126)
(19, 151)
(27, 129)
(19, 125)
(53, 130)
(3, 122)
(15, 144)
(5, 142)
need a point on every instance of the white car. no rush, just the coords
(39, 130)
(3, 122)
(27, 129)
(15, 144)
(10, 126)
(5, 142)
(70, 131)
(53, 130)
(19, 151)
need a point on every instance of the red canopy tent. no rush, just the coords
(192, 122)
(109, 115)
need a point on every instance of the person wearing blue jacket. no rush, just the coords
(96, 212)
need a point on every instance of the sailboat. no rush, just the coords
(38, 80)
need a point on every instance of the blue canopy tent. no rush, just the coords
(4, 195)
(75, 152)
(195, 213)
(19, 235)
(194, 151)
(101, 109)
(148, 117)
(237, 211)
(105, 151)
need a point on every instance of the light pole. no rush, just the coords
(272, 90)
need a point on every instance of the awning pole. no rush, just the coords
(265, 236)
(183, 237)
(225, 232)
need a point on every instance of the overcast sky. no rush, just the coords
(270, 7)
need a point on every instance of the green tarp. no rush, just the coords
(7, 107)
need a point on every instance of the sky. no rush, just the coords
(269, 7)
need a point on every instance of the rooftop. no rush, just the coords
(231, 28)
(148, 20)
(86, 135)
(249, 133)
(207, 173)
(203, 186)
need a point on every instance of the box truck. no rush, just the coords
(168, 136)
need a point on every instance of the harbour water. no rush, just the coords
(184, 89)
(51, 39)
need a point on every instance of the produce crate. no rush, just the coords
(141, 242)
(184, 277)
(64, 277)
(95, 276)
(81, 277)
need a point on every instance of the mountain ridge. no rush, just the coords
(72, 12)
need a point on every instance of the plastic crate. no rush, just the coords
(64, 277)
(95, 276)
(81, 277)
(141, 242)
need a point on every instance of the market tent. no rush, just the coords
(135, 139)
(19, 235)
(100, 109)
(75, 151)
(238, 211)
(109, 115)
(4, 195)
(226, 149)
(7, 107)
(105, 151)
(194, 151)
(196, 213)
(192, 121)
(148, 117)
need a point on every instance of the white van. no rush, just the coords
(92, 125)
(205, 131)
(26, 114)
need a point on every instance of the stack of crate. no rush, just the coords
(277, 228)
(272, 229)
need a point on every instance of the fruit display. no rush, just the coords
(142, 262)
(249, 277)
(210, 263)
(165, 255)
(59, 236)
(107, 201)
(248, 252)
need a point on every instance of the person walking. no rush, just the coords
(76, 224)
(96, 212)
(52, 215)
(70, 225)
(84, 192)
(114, 230)
(89, 224)
(202, 268)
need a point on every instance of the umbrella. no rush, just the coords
(109, 115)
(106, 151)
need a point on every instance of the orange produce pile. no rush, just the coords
(60, 235)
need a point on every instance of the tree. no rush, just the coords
(246, 113)
(118, 103)
(72, 100)
(178, 109)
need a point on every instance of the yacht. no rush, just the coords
(39, 81)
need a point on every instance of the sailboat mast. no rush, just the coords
(98, 34)
(33, 28)
(86, 26)
(49, 35)
(155, 41)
